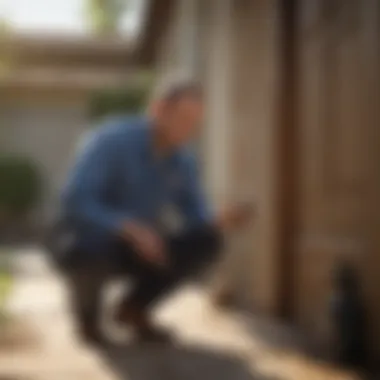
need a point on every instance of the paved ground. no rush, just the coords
(214, 345)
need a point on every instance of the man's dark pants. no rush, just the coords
(188, 254)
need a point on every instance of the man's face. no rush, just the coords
(180, 119)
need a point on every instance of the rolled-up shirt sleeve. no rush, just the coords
(85, 195)
(192, 201)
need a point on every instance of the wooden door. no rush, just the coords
(334, 118)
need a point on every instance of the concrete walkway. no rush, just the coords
(214, 345)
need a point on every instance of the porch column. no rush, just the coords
(249, 165)
(179, 49)
(215, 144)
(188, 36)
(371, 260)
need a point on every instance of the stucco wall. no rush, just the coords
(46, 128)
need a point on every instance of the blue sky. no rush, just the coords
(53, 15)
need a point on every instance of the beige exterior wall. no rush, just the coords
(44, 126)
(45, 98)
(252, 163)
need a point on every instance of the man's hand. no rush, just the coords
(147, 242)
(236, 216)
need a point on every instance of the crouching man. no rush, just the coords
(127, 175)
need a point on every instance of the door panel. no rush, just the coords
(334, 174)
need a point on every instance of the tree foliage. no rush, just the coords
(104, 16)
(20, 185)
(6, 284)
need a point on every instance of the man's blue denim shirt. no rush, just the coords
(118, 177)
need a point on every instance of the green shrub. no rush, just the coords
(20, 185)
(6, 284)
(129, 100)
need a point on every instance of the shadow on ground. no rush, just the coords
(171, 363)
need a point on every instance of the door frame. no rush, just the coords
(288, 154)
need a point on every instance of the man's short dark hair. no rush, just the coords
(172, 91)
